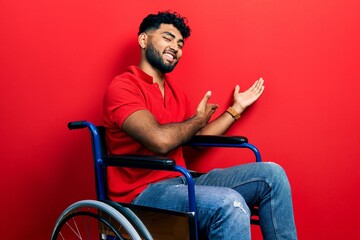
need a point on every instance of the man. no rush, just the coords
(147, 113)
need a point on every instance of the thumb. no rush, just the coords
(206, 97)
(237, 89)
(204, 101)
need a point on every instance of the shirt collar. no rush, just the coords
(140, 73)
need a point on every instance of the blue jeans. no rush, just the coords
(223, 199)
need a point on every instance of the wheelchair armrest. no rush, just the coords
(223, 141)
(215, 140)
(139, 161)
(77, 125)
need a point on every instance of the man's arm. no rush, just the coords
(161, 138)
(241, 101)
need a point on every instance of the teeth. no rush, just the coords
(169, 55)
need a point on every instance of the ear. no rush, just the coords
(142, 39)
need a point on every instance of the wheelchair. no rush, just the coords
(107, 220)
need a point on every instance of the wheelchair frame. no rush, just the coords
(102, 160)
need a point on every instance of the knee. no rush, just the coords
(276, 174)
(275, 169)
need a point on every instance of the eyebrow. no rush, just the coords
(173, 36)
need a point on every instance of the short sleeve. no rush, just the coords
(122, 98)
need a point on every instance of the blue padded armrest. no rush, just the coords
(139, 161)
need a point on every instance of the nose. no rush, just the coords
(173, 49)
(174, 46)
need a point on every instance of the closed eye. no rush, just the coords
(170, 37)
(167, 38)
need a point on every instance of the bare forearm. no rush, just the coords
(219, 126)
(175, 134)
(160, 138)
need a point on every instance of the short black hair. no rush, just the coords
(153, 21)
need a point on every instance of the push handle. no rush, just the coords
(76, 125)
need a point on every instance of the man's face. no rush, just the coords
(164, 48)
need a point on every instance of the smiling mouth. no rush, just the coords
(170, 56)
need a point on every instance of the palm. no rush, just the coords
(248, 97)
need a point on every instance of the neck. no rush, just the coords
(158, 77)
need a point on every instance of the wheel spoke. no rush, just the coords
(89, 219)
(73, 230)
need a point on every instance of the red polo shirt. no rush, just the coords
(129, 92)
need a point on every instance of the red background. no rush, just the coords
(57, 57)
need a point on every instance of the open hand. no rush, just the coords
(205, 109)
(242, 100)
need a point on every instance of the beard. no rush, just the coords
(154, 58)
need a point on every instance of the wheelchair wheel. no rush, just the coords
(90, 219)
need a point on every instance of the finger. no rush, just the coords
(210, 109)
(261, 85)
(204, 101)
(208, 94)
(261, 82)
(213, 106)
(261, 90)
(254, 86)
(236, 90)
